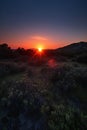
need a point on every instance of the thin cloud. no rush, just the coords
(38, 38)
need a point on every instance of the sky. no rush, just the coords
(42, 23)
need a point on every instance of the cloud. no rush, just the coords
(38, 38)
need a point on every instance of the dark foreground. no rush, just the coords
(46, 97)
(43, 92)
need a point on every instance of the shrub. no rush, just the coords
(10, 68)
(65, 118)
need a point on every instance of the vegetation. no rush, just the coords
(43, 96)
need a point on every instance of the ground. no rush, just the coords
(51, 96)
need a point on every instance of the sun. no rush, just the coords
(40, 49)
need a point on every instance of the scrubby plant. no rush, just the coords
(65, 118)
(11, 68)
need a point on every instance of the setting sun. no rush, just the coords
(40, 49)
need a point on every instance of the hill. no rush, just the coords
(74, 48)
(76, 51)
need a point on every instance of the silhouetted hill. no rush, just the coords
(74, 48)
(77, 51)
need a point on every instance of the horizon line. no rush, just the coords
(43, 48)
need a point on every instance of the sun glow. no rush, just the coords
(40, 49)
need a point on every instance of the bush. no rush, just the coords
(65, 118)
(10, 68)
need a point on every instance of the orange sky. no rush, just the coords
(34, 42)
